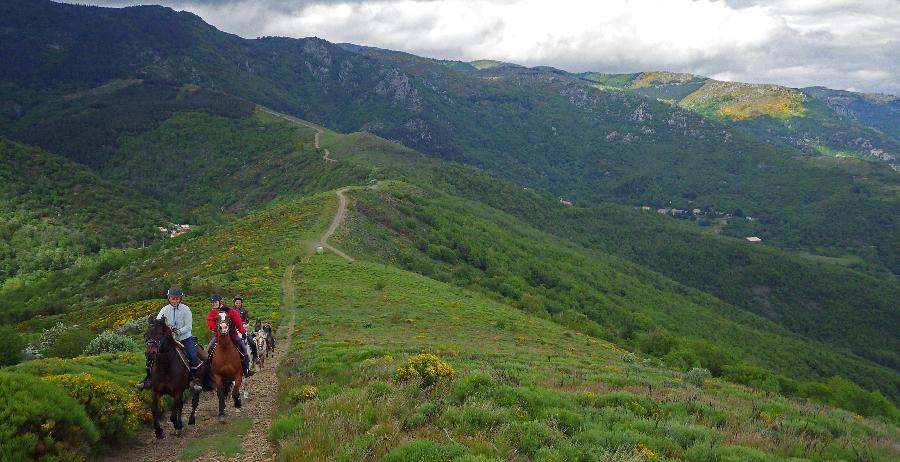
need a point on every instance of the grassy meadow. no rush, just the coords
(521, 388)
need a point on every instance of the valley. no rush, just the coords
(489, 284)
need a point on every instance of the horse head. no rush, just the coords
(157, 333)
(224, 323)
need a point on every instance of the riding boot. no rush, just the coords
(245, 362)
(143, 384)
(195, 385)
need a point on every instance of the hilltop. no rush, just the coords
(497, 282)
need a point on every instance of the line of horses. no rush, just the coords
(223, 373)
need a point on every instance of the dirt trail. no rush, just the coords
(326, 155)
(262, 387)
(260, 404)
(338, 219)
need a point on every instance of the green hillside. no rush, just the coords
(54, 211)
(521, 388)
(583, 143)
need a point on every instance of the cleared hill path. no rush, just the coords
(326, 155)
(244, 436)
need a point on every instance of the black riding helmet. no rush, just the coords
(215, 298)
(174, 292)
(237, 297)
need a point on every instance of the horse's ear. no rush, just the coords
(150, 320)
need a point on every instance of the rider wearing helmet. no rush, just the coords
(178, 317)
(238, 327)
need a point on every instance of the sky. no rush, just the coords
(842, 44)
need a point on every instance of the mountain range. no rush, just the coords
(616, 206)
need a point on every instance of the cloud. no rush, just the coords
(838, 43)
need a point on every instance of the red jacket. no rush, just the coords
(212, 318)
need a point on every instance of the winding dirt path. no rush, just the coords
(326, 155)
(260, 403)
(339, 217)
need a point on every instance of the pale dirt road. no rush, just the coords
(260, 405)
(339, 217)
(326, 155)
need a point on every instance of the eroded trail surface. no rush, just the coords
(260, 406)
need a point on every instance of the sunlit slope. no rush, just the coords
(246, 256)
(472, 245)
(521, 388)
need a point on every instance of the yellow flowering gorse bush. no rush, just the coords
(116, 411)
(427, 367)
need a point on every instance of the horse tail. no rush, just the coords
(227, 384)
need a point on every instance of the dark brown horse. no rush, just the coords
(225, 366)
(170, 374)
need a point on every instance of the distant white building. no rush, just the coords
(753, 239)
(565, 202)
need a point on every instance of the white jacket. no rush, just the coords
(179, 319)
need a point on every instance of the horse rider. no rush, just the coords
(258, 326)
(239, 306)
(238, 327)
(245, 317)
(178, 317)
(267, 328)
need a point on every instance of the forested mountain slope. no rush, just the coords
(537, 127)
(53, 211)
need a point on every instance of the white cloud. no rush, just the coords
(838, 43)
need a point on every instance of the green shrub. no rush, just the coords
(697, 376)
(753, 376)
(302, 393)
(11, 346)
(285, 426)
(420, 416)
(110, 342)
(473, 419)
(471, 385)
(38, 421)
(424, 451)
(117, 412)
(528, 437)
(68, 343)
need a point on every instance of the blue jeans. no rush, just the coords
(190, 348)
(236, 338)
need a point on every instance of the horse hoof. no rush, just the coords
(191, 421)
(159, 434)
(222, 419)
(177, 432)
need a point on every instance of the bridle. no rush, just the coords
(155, 345)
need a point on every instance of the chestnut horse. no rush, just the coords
(170, 374)
(225, 367)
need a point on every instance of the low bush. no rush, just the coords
(302, 393)
(115, 411)
(425, 367)
(11, 346)
(39, 421)
(110, 342)
(697, 376)
(425, 451)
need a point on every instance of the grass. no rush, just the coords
(522, 389)
(222, 440)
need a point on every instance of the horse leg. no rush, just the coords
(236, 392)
(177, 408)
(195, 400)
(220, 391)
(154, 408)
